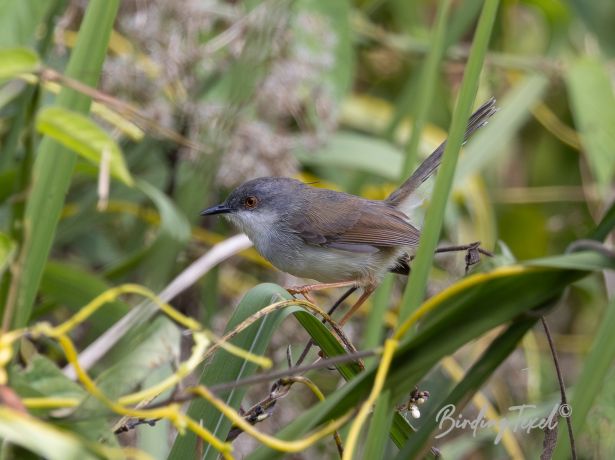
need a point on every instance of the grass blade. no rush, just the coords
(433, 222)
(54, 166)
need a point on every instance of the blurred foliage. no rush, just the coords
(119, 121)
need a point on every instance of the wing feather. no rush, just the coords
(339, 225)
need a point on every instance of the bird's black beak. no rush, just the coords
(218, 209)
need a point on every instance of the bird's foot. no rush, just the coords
(306, 289)
(301, 290)
(473, 253)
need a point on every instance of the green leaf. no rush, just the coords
(421, 266)
(16, 61)
(54, 164)
(42, 378)
(593, 107)
(79, 133)
(41, 438)
(382, 418)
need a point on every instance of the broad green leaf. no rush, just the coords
(42, 378)
(41, 438)
(593, 106)
(16, 61)
(79, 133)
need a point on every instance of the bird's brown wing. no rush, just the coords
(355, 224)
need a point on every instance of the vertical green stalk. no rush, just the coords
(54, 166)
(415, 290)
(375, 324)
(427, 84)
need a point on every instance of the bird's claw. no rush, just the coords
(301, 290)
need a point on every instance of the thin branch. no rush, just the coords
(562, 387)
(269, 376)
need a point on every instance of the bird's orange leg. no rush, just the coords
(304, 290)
(366, 293)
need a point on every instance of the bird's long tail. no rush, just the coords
(431, 163)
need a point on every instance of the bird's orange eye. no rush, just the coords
(251, 202)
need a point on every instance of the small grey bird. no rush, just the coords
(335, 238)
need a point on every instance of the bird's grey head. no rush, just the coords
(256, 206)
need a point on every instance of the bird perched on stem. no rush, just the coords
(332, 237)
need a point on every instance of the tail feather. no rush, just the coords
(431, 163)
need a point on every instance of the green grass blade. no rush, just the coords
(427, 85)
(375, 324)
(433, 221)
(378, 433)
(54, 164)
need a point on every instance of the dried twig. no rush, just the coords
(562, 389)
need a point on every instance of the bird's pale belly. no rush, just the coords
(331, 265)
(290, 254)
